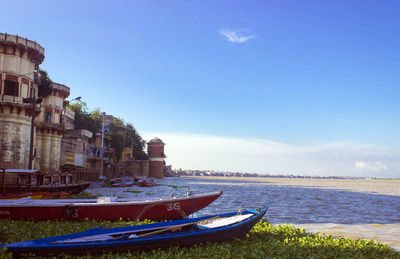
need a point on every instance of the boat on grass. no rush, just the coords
(184, 232)
(107, 208)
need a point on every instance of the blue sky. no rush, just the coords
(318, 79)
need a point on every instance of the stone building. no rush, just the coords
(75, 148)
(19, 65)
(19, 58)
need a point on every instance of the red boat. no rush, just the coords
(106, 208)
(147, 184)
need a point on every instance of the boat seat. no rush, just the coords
(222, 222)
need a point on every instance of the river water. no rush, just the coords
(358, 209)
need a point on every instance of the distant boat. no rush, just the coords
(122, 179)
(147, 182)
(21, 181)
(106, 208)
(149, 236)
(123, 184)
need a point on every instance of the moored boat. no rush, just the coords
(123, 184)
(21, 181)
(22, 195)
(106, 208)
(149, 236)
(147, 184)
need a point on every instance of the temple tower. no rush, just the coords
(19, 59)
(155, 150)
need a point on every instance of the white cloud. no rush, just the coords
(205, 152)
(238, 36)
(374, 166)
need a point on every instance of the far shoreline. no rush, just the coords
(368, 185)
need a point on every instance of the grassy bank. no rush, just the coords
(264, 241)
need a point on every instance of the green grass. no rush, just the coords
(133, 191)
(84, 195)
(173, 186)
(263, 241)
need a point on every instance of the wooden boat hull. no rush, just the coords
(152, 209)
(20, 196)
(72, 188)
(112, 242)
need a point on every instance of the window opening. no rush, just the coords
(10, 88)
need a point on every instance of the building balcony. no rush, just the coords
(50, 125)
(16, 101)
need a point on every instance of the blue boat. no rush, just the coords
(183, 232)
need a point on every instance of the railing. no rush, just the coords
(16, 101)
(11, 99)
(15, 39)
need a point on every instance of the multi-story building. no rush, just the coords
(19, 101)
(19, 58)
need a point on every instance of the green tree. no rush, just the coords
(44, 87)
(135, 141)
(85, 120)
(115, 137)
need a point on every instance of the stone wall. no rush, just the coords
(137, 167)
(14, 139)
